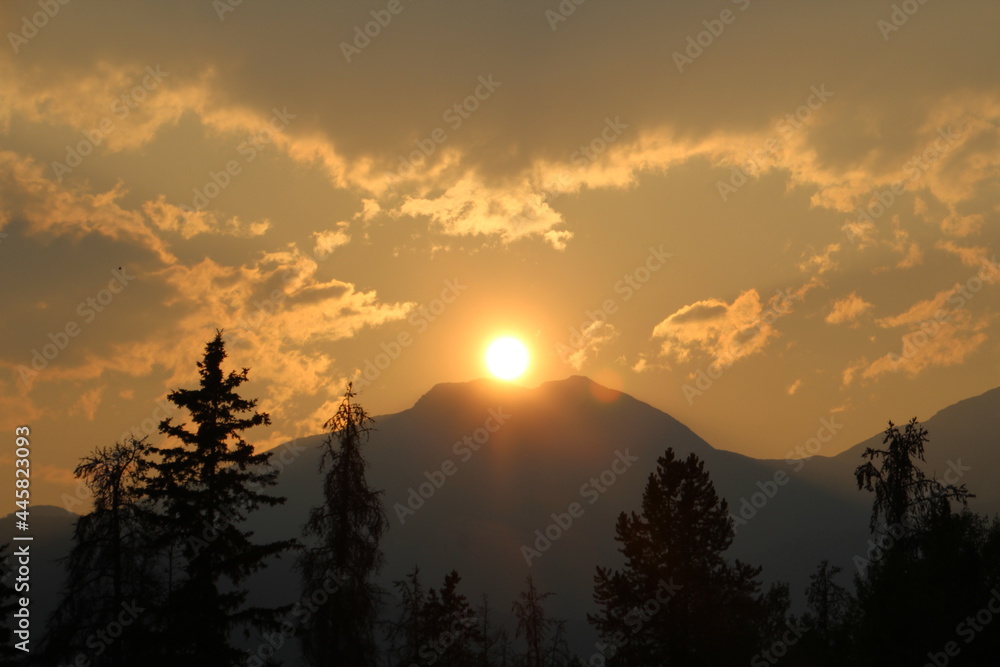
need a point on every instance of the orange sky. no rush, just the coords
(751, 215)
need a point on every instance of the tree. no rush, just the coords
(204, 489)
(904, 497)
(678, 601)
(449, 622)
(487, 636)
(343, 536)
(542, 635)
(111, 569)
(827, 640)
(925, 568)
(827, 601)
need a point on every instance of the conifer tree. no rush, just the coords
(677, 595)
(343, 536)
(204, 488)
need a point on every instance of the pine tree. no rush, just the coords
(343, 537)
(111, 582)
(678, 601)
(204, 488)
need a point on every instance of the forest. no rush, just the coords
(159, 569)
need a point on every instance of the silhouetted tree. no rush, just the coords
(926, 566)
(488, 637)
(344, 535)
(904, 496)
(111, 594)
(408, 633)
(827, 601)
(827, 638)
(543, 636)
(205, 487)
(678, 601)
(450, 624)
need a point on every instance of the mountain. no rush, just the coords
(474, 472)
(474, 506)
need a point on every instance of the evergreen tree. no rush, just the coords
(678, 601)
(204, 488)
(108, 606)
(344, 535)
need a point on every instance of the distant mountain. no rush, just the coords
(474, 469)
(559, 436)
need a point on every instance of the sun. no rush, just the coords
(507, 358)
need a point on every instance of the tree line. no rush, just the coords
(159, 568)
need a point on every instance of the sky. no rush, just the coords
(755, 216)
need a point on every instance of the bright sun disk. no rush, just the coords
(507, 358)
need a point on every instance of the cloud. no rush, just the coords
(726, 332)
(936, 344)
(329, 240)
(794, 387)
(847, 310)
(592, 338)
(189, 223)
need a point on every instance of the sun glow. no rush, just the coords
(507, 358)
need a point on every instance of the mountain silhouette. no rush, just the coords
(473, 473)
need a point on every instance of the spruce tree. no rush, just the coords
(204, 488)
(342, 537)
